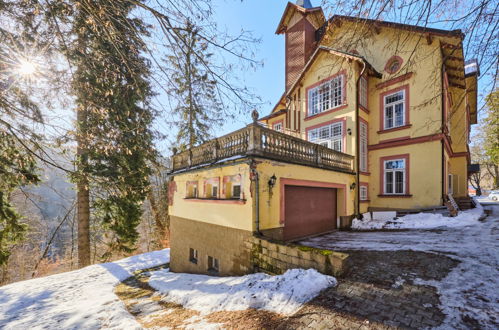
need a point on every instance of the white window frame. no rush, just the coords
(277, 127)
(363, 166)
(393, 172)
(363, 193)
(391, 107)
(326, 96)
(329, 138)
(363, 92)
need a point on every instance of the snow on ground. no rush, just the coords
(82, 298)
(470, 289)
(419, 221)
(281, 294)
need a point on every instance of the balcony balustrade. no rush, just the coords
(255, 140)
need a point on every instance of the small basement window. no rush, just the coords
(213, 264)
(193, 255)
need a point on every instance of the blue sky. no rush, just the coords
(261, 17)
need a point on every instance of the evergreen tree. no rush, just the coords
(17, 141)
(198, 106)
(114, 119)
(17, 168)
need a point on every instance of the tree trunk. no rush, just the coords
(83, 194)
(157, 214)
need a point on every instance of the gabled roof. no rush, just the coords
(275, 111)
(336, 52)
(378, 23)
(291, 8)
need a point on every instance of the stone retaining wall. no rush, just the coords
(276, 257)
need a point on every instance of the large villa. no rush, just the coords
(374, 116)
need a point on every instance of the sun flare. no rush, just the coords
(26, 67)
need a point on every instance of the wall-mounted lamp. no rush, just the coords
(272, 181)
(349, 131)
(352, 186)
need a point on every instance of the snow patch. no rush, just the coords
(82, 298)
(469, 291)
(282, 294)
(420, 220)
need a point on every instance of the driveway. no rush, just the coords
(443, 277)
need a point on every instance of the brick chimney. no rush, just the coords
(298, 24)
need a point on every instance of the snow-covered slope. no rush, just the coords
(79, 299)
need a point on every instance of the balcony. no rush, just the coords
(257, 141)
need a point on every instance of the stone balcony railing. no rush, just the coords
(255, 140)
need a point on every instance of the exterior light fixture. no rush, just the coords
(272, 181)
(349, 131)
(352, 186)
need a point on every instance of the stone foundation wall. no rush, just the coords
(223, 243)
(276, 257)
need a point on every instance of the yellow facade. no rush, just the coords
(228, 213)
(270, 198)
(427, 150)
(421, 76)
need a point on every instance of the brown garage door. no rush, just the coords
(308, 211)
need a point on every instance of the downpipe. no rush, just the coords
(357, 145)
(255, 178)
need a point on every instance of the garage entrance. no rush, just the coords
(308, 211)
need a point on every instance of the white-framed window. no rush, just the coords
(394, 109)
(394, 176)
(214, 191)
(363, 92)
(363, 193)
(330, 136)
(277, 127)
(213, 264)
(450, 184)
(363, 146)
(326, 96)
